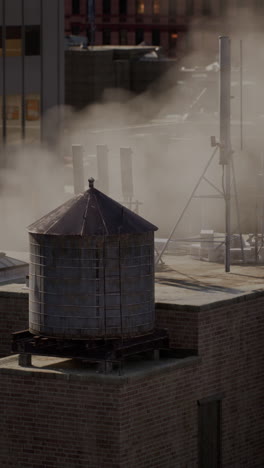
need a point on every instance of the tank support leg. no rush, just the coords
(105, 367)
(24, 360)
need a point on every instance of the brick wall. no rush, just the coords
(50, 422)
(147, 419)
(229, 338)
(13, 317)
(181, 323)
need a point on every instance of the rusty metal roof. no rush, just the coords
(91, 214)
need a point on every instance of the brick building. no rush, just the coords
(125, 22)
(159, 413)
(156, 22)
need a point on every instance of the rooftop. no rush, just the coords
(189, 282)
(193, 283)
(61, 368)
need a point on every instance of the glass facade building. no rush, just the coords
(31, 69)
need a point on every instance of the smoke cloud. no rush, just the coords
(168, 129)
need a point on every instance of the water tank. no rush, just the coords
(91, 270)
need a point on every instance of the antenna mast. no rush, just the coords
(225, 138)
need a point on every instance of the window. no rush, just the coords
(32, 105)
(13, 118)
(172, 8)
(1, 42)
(75, 29)
(173, 37)
(156, 37)
(209, 432)
(123, 37)
(140, 7)
(156, 7)
(13, 41)
(32, 40)
(32, 117)
(106, 7)
(139, 36)
(207, 7)
(123, 7)
(75, 7)
(189, 7)
(106, 37)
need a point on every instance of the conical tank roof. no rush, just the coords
(91, 213)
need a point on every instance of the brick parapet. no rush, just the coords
(13, 317)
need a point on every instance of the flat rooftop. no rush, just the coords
(186, 281)
(64, 368)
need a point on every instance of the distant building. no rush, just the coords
(113, 22)
(89, 72)
(163, 23)
(31, 68)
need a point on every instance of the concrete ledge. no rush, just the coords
(256, 294)
(47, 368)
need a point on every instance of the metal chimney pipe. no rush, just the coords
(225, 138)
(78, 169)
(126, 174)
(102, 168)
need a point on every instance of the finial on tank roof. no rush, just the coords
(91, 182)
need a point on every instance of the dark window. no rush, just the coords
(173, 37)
(106, 7)
(156, 37)
(123, 37)
(122, 7)
(13, 41)
(75, 7)
(209, 420)
(207, 7)
(172, 8)
(106, 37)
(139, 36)
(32, 40)
(189, 7)
(75, 29)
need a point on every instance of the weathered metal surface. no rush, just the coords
(12, 268)
(91, 270)
(91, 214)
(91, 286)
(25, 343)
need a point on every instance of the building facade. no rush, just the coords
(113, 22)
(205, 410)
(31, 68)
(155, 22)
